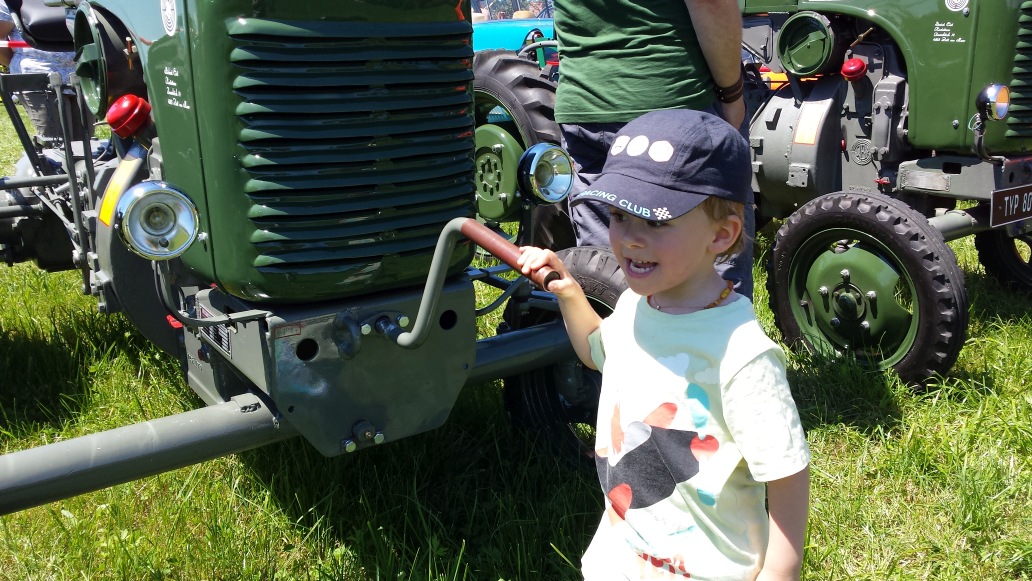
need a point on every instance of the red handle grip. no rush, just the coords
(506, 251)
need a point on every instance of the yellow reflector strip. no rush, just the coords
(125, 172)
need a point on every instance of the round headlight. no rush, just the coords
(994, 102)
(156, 220)
(546, 173)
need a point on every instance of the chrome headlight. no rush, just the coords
(545, 173)
(994, 102)
(156, 220)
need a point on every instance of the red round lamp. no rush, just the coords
(127, 115)
(854, 69)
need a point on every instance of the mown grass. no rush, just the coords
(906, 484)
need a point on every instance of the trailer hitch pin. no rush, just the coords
(385, 326)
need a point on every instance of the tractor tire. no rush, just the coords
(866, 275)
(517, 85)
(1005, 258)
(515, 95)
(559, 403)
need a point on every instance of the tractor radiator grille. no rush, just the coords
(1019, 122)
(355, 141)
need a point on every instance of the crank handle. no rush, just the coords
(506, 251)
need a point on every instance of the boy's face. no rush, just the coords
(671, 260)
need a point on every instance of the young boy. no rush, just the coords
(696, 423)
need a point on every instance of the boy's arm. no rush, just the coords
(788, 501)
(581, 320)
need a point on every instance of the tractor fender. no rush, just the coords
(795, 140)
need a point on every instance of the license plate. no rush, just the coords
(1011, 205)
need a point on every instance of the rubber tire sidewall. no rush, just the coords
(518, 85)
(920, 249)
(999, 256)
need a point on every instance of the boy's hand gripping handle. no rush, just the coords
(505, 251)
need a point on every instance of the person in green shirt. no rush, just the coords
(620, 59)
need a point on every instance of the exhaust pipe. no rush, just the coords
(56, 471)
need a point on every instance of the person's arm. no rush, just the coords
(6, 54)
(788, 502)
(718, 27)
(581, 320)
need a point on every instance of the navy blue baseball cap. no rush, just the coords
(665, 163)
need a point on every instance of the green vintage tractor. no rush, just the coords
(903, 126)
(898, 127)
(287, 207)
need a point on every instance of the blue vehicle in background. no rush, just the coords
(511, 34)
(532, 37)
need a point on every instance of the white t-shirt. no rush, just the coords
(695, 415)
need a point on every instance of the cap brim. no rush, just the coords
(639, 198)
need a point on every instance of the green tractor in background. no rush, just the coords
(903, 126)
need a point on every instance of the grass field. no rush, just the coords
(930, 484)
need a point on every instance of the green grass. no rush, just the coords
(906, 484)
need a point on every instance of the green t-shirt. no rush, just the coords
(622, 58)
